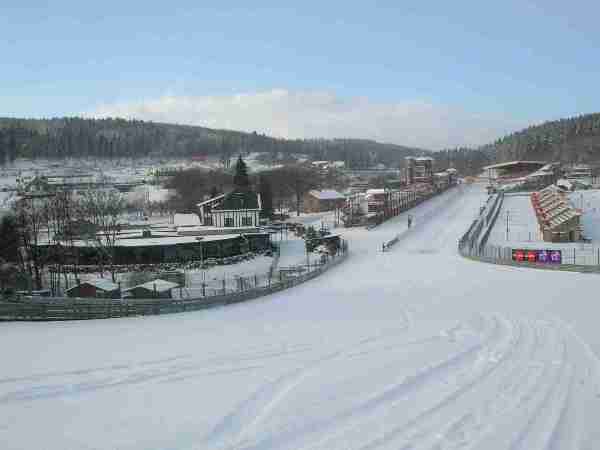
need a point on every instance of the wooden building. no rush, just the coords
(319, 201)
(558, 220)
(170, 249)
(98, 288)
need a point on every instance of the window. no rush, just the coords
(247, 221)
(228, 221)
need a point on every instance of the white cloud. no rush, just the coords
(289, 114)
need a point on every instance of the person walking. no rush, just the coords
(409, 221)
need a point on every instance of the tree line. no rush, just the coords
(283, 186)
(42, 230)
(571, 140)
(78, 137)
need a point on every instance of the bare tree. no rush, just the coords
(31, 216)
(60, 212)
(300, 180)
(104, 209)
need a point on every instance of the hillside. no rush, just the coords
(574, 139)
(114, 138)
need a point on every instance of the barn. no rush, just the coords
(97, 288)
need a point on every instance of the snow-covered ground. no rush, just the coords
(412, 348)
(589, 203)
(516, 223)
(518, 217)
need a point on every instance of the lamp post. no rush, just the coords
(507, 223)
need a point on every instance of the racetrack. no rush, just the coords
(415, 348)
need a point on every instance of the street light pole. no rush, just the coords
(507, 224)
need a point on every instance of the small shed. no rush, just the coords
(98, 288)
(152, 289)
(319, 201)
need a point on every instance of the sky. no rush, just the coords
(427, 74)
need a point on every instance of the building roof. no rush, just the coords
(210, 200)
(186, 220)
(515, 163)
(99, 283)
(328, 194)
(156, 241)
(157, 285)
(239, 199)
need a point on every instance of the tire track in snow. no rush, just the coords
(529, 402)
(445, 441)
(447, 401)
(255, 409)
(520, 442)
(455, 432)
(393, 392)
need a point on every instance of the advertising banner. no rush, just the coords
(537, 256)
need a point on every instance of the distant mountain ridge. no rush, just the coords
(114, 138)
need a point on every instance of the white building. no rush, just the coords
(234, 210)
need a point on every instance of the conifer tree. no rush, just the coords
(240, 179)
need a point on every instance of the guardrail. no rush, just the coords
(52, 309)
(473, 244)
(491, 217)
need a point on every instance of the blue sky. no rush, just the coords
(470, 71)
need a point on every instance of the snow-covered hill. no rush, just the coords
(413, 348)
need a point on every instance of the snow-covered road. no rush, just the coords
(415, 348)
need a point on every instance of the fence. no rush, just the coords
(578, 257)
(396, 202)
(46, 309)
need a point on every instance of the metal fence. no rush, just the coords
(581, 256)
(578, 256)
(248, 288)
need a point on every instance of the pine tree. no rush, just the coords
(12, 145)
(9, 238)
(311, 239)
(266, 196)
(2, 149)
(240, 179)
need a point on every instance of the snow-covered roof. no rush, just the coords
(99, 283)
(183, 220)
(375, 191)
(328, 194)
(514, 163)
(210, 200)
(204, 230)
(157, 241)
(157, 285)
(565, 184)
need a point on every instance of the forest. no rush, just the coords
(575, 139)
(114, 138)
(571, 140)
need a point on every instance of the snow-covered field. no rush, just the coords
(589, 203)
(415, 348)
(516, 223)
